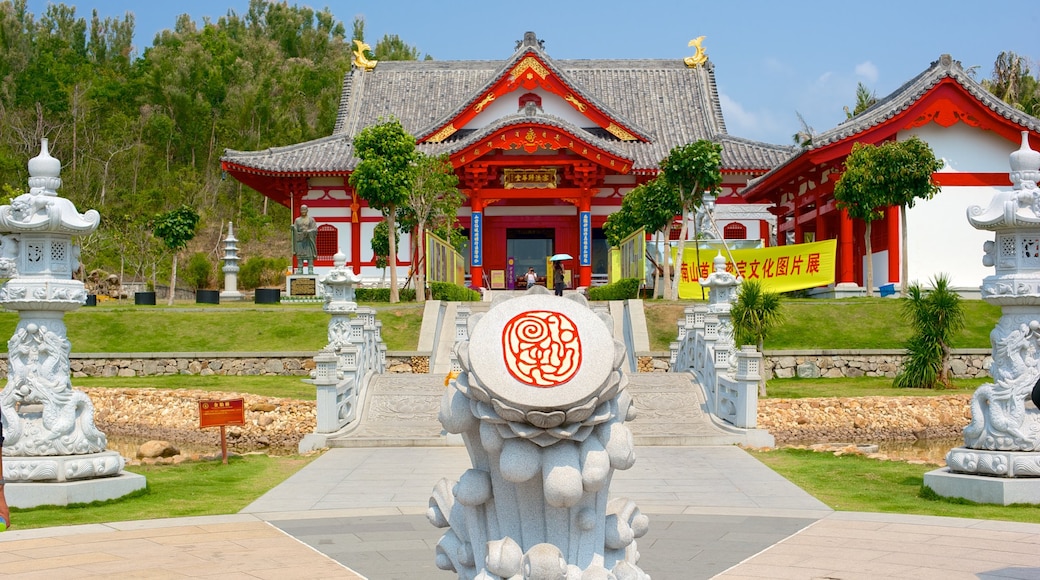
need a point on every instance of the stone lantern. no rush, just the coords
(49, 428)
(1000, 459)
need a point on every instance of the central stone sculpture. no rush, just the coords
(540, 404)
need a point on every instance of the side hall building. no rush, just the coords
(968, 128)
(544, 149)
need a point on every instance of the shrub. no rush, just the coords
(936, 316)
(624, 289)
(382, 294)
(258, 271)
(199, 271)
(452, 292)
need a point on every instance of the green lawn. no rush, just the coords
(854, 323)
(796, 388)
(286, 387)
(189, 489)
(851, 323)
(242, 327)
(855, 483)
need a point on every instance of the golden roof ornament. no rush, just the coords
(700, 57)
(360, 60)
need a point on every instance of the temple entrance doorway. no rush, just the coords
(529, 248)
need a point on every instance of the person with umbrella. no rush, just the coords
(558, 279)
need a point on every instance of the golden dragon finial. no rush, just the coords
(700, 57)
(360, 60)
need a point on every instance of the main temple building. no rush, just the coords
(544, 149)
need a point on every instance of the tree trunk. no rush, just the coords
(173, 281)
(904, 270)
(392, 227)
(679, 254)
(419, 267)
(870, 261)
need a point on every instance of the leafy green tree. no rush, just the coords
(935, 316)
(175, 228)
(755, 314)
(658, 206)
(385, 177)
(380, 244)
(895, 173)
(199, 271)
(391, 47)
(626, 220)
(693, 170)
(433, 201)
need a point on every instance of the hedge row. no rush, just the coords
(382, 294)
(624, 289)
(452, 292)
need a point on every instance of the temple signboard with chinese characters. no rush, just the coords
(529, 178)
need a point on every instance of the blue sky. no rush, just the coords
(772, 58)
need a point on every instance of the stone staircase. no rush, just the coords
(439, 333)
(400, 410)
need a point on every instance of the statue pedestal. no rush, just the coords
(30, 495)
(303, 286)
(983, 488)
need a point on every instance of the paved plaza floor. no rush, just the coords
(715, 512)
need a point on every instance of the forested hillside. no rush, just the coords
(140, 130)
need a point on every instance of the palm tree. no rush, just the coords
(935, 316)
(755, 314)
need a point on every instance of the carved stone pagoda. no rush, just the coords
(1000, 460)
(50, 436)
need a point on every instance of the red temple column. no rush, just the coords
(476, 241)
(894, 255)
(585, 241)
(845, 253)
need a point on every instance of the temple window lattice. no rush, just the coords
(734, 231)
(327, 242)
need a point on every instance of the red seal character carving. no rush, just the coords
(541, 348)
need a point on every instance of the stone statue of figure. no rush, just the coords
(305, 234)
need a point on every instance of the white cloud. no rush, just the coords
(867, 70)
(760, 126)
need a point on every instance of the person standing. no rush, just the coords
(558, 283)
(532, 278)
(305, 234)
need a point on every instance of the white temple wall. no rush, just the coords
(965, 149)
(510, 105)
(939, 237)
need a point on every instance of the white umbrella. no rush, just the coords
(558, 257)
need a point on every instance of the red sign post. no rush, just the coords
(221, 414)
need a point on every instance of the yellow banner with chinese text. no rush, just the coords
(779, 268)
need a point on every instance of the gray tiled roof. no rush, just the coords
(661, 101)
(903, 98)
(906, 95)
(745, 154)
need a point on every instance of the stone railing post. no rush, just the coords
(354, 353)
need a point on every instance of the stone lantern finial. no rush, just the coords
(1025, 165)
(44, 172)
